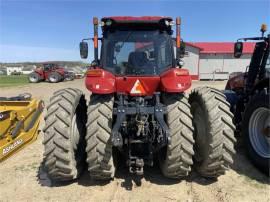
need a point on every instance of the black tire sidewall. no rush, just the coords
(204, 149)
(55, 74)
(34, 74)
(214, 132)
(180, 141)
(258, 100)
(71, 145)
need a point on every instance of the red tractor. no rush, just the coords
(51, 72)
(138, 109)
(248, 93)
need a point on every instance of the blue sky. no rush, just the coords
(51, 30)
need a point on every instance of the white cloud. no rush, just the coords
(14, 53)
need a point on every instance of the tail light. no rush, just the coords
(94, 73)
(182, 72)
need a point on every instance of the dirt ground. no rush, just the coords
(22, 177)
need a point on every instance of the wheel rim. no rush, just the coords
(33, 79)
(53, 78)
(259, 131)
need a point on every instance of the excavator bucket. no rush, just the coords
(19, 123)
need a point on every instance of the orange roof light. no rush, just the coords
(263, 28)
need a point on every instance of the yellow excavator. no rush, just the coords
(19, 122)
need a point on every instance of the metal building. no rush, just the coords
(214, 60)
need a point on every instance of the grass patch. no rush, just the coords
(13, 80)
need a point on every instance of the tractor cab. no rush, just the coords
(259, 68)
(49, 66)
(136, 51)
(141, 48)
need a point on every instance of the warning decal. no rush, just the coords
(138, 88)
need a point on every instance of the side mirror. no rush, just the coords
(83, 50)
(238, 49)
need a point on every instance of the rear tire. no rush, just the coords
(98, 137)
(176, 159)
(64, 135)
(34, 77)
(255, 122)
(70, 77)
(54, 77)
(214, 131)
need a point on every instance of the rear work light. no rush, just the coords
(169, 23)
(107, 23)
(263, 28)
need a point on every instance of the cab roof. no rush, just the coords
(136, 23)
(141, 19)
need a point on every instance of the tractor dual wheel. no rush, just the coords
(98, 137)
(34, 77)
(214, 131)
(64, 135)
(70, 77)
(55, 77)
(256, 130)
(176, 159)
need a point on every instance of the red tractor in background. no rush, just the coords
(248, 93)
(51, 72)
(138, 109)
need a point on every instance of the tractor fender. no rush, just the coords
(99, 81)
(40, 73)
(60, 71)
(236, 82)
(175, 80)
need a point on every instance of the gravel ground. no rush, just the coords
(22, 177)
